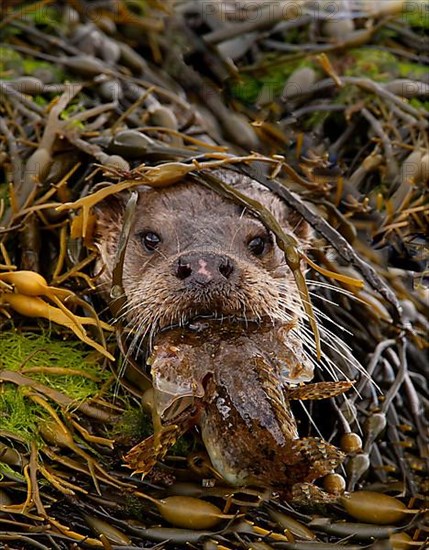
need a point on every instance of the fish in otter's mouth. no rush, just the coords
(235, 382)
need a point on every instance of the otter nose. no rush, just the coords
(202, 269)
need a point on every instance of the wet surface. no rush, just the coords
(238, 376)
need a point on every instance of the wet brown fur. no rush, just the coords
(190, 218)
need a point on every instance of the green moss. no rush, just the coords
(412, 70)
(37, 13)
(296, 36)
(19, 414)
(183, 446)
(76, 124)
(382, 66)
(47, 16)
(73, 109)
(30, 65)
(8, 32)
(134, 506)
(40, 100)
(136, 424)
(8, 54)
(139, 7)
(13, 65)
(269, 83)
(419, 104)
(315, 119)
(274, 83)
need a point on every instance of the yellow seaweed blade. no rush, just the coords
(31, 306)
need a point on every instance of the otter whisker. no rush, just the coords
(334, 288)
(138, 336)
(310, 419)
(330, 341)
(323, 299)
(293, 310)
(314, 294)
(160, 253)
(322, 315)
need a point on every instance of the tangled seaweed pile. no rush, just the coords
(327, 109)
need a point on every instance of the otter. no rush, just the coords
(193, 253)
(195, 259)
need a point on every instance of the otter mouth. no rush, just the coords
(198, 323)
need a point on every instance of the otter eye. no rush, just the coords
(257, 246)
(150, 240)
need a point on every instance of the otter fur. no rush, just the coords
(194, 253)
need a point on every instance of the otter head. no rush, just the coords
(193, 253)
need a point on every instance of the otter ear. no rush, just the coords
(289, 219)
(298, 226)
(109, 214)
(110, 211)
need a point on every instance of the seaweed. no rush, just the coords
(327, 110)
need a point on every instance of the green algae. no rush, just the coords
(269, 84)
(8, 471)
(381, 65)
(377, 64)
(183, 446)
(46, 16)
(412, 70)
(18, 414)
(416, 15)
(18, 351)
(32, 66)
(138, 7)
(40, 101)
(10, 61)
(73, 109)
(13, 65)
(44, 359)
(36, 13)
(133, 423)
(245, 89)
(418, 104)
